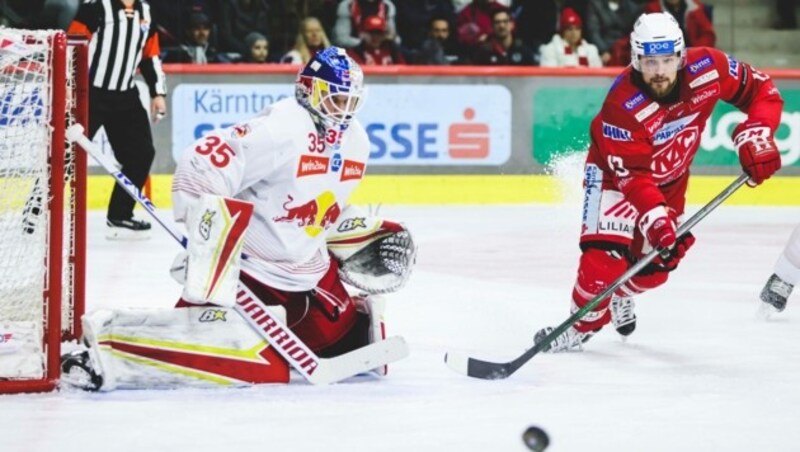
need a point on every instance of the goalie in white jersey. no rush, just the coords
(297, 163)
(288, 172)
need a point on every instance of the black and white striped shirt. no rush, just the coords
(122, 39)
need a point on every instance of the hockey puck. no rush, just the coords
(536, 439)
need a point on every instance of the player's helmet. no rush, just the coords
(331, 88)
(656, 34)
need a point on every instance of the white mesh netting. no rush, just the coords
(25, 135)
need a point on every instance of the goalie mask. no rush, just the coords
(331, 88)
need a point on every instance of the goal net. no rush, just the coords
(42, 204)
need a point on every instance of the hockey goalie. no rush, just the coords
(264, 203)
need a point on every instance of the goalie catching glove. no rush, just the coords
(375, 255)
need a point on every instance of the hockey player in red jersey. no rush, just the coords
(643, 142)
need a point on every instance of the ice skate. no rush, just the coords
(775, 294)
(622, 315)
(77, 371)
(130, 230)
(569, 340)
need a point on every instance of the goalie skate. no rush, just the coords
(775, 293)
(569, 340)
(622, 315)
(77, 371)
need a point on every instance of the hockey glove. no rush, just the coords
(658, 226)
(669, 260)
(758, 153)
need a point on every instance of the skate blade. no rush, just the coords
(765, 311)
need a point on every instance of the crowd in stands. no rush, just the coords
(554, 33)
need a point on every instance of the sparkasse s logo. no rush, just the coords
(469, 140)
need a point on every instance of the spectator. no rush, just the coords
(440, 48)
(285, 17)
(351, 15)
(461, 4)
(501, 47)
(171, 18)
(569, 49)
(311, 38)
(692, 18)
(256, 48)
(537, 20)
(414, 19)
(787, 16)
(474, 22)
(195, 46)
(238, 18)
(608, 24)
(376, 49)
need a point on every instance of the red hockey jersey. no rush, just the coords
(642, 145)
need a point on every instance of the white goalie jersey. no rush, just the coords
(297, 180)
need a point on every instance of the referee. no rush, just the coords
(122, 40)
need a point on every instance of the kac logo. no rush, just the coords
(659, 48)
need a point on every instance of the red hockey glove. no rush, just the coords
(758, 153)
(673, 257)
(658, 226)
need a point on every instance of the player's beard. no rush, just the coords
(661, 87)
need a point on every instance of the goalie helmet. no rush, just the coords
(331, 88)
(657, 34)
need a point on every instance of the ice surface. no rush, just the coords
(699, 374)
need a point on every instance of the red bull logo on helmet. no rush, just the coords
(313, 216)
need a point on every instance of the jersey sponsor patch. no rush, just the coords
(655, 122)
(634, 101)
(352, 170)
(733, 67)
(670, 129)
(647, 111)
(616, 133)
(311, 165)
(592, 183)
(699, 65)
(708, 93)
(336, 163)
(705, 78)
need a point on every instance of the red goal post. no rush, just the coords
(43, 90)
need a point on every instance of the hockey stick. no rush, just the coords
(488, 370)
(315, 369)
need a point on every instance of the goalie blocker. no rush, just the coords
(212, 346)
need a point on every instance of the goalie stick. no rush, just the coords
(316, 370)
(489, 370)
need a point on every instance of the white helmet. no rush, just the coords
(656, 34)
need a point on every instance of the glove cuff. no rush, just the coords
(647, 220)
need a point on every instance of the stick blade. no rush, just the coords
(360, 360)
(476, 368)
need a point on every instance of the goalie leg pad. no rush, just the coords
(216, 228)
(321, 317)
(172, 348)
